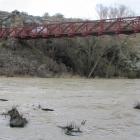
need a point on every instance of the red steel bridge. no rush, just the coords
(127, 25)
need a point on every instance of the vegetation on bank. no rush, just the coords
(89, 57)
(108, 56)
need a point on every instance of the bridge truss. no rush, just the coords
(127, 25)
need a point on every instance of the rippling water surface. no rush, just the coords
(107, 105)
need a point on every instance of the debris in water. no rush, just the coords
(4, 100)
(45, 109)
(137, 106)
(83, 122)
(72, 129)
(16, 120)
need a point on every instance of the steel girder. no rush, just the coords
(127, 25)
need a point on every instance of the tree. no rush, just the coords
(46, 15)
(116, 11)
(102, 11)
(59, 15)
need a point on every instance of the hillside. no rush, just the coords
(3, 15)
(89, 57)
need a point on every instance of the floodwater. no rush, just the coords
(107, 105)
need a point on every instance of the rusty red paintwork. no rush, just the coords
(127, 25)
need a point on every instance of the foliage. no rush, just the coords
(91, 56)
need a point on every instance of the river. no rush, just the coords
(107, 105)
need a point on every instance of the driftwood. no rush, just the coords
(4, 100)
(137, 106)
(45, 109)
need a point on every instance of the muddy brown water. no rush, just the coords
(107, 105)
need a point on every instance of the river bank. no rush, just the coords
(43, 58)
